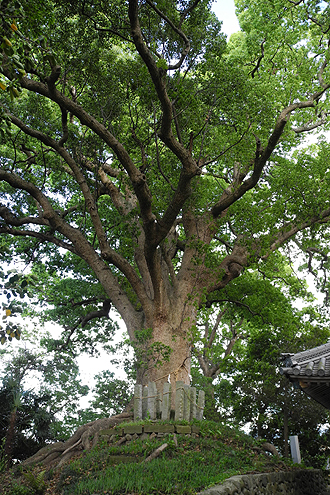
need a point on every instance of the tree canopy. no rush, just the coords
(147, 165)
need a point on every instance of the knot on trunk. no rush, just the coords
(233, 270)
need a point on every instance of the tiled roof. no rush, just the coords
(310, 371)
(314, 362)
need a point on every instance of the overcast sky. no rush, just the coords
(225, 11)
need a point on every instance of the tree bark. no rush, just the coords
(10, 436)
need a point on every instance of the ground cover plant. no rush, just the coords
(186, 466)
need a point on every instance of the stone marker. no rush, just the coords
(131, 429)
(152, 396)
(179, 400)
(144, 402)
(200, 404)
(183, 429)
(157, 428)
(137, 402)
(186, 400)
(148, 403)
(295, 450)
(192, 403)
(166, 404)
(159, 401)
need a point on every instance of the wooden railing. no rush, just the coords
(149, 404)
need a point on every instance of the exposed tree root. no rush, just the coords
(267, 447)
(84, 438)
(156, 453)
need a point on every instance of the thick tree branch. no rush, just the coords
(209, 367)
(65, 136)
(157, 74)
(80, 245)
(229, 268)
(123, 204)
(107, 252)
(187, 11)
(232, 194)
(137, 178)
(215, 327)
(309, 126)
(256, 68)
(159, 80)
(83, 320)
(12, 219)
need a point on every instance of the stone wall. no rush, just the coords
(128, 432)
(300, 482)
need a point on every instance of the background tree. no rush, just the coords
(261, 397)
(40, 396)
(249, 306)
(111, 395)
(25, 422)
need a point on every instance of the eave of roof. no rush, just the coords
(310, 370)
(313, 363)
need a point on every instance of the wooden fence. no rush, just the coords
(149, 404)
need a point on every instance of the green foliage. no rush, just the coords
(36, 482)
(47, 413)
(3, 460)
(18, 489)
(259, 395)
(151, 167)
(14, 284)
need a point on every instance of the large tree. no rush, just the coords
(144, 155)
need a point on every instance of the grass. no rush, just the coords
(183, 469)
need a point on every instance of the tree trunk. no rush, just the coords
(10, 436)
(177, 366)
(166, 356)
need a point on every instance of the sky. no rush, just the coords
(225, 11)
